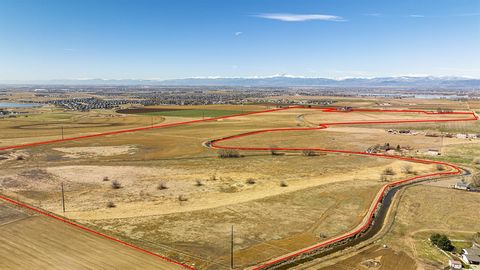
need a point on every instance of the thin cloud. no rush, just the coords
(416, 16)
(288, 17)
(238, 33)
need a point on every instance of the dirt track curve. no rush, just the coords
(214, 144)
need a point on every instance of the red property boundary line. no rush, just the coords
(37, 210)
(213, 144)
(455, 169)
(50, 215)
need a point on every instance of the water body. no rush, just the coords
(18, 105)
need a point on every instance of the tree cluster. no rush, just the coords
(441, 241)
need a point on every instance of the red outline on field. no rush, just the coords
(367, 223)
(213, 144)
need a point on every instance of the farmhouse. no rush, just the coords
(471, 256)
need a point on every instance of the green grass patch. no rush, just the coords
(194, 113)
(453, 159)
(459, 245)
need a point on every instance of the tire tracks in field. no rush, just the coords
(213, 144)
(366, 223)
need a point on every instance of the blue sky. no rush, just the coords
(164, 39)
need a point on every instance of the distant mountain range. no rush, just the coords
(281, 81)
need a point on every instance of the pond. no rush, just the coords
(18, 105)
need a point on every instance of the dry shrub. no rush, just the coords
(440, 167)
(389, 171)
(183, 198)
(229, 153)
(162, 186)
(408, 169)
(111, 205)
(275, 152)
(251, 181)
(116, 184)
(309, 153)
(199, 183)
(283, 183)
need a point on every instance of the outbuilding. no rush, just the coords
(471, 256)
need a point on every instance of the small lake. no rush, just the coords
(18, 105)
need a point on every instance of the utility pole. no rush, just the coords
(152, 121)
(63, 199)
(203, 115)
(62, 132)
(231, 249)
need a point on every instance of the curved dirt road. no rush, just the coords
(214, 144)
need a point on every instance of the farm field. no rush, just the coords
(181, 112)
(375, 257)
(178, 198)
(422, 211)
(36, 242)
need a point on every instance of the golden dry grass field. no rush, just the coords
(292, 202)
(35, 242)
(428, 209)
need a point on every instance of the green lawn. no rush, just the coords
(194, 113)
